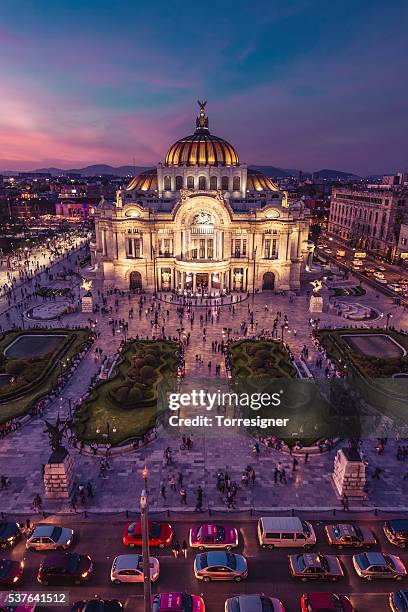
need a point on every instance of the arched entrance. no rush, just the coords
(135, 281)
(268, 282)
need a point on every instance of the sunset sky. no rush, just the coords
(298, 84)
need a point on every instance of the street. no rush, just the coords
(268, 570)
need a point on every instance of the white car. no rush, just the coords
(129, 568)
(50, 537)
(395, 287)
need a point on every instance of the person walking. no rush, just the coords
(184, 548)
(345, 503)
(176, 549)
(163, 491)
(183, 496)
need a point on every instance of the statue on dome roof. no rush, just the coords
(202, 119)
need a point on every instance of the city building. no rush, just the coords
(77, 199)
(369, 219)
(402, 247)
(201, 222)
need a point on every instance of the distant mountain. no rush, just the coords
(278, 172)
(96, 170)
(332, 175)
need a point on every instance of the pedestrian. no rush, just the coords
(180, 479)
(184, 548)
(163, 491)
(183, 496)
(172, 483)
(294, 464)
(345, 503)
(74, 502)
(4, 482)
(176, 549)
(89, 489)
(306, 457)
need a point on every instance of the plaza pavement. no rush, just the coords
(23, 452)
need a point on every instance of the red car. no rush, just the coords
(160, 534)
(11, 572)
(324, 602)
(213, 536)
(178, 602)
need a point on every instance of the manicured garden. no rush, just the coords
(31, 362)
(372, 370)
(259, 358)
(348, 291)
(337, 344)
(265, 367)
(128, 403)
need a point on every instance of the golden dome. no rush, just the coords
(145, 181)
(256, 181)
(201, 148)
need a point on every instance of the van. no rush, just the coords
(285, 531)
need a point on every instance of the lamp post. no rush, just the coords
(147, 587)
(154, 270)
(253, 274)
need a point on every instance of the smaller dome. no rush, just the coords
(256, 181)
(145, 181)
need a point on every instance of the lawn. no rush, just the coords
(260, 367)
(371, 376)
(35, 376)
(129, 401)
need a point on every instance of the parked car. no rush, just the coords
(346, 534)
(219, 565)
(11, 572)
(50, 537)
(160, 534)
(213, 536)
(378, 565)
(285, 531)
(398, 601)
(129, 568)
(65, 568)
(97, 605)
(396, 531)
(10, 533)
(325, 602)
(178, 602)
(309, 566)
(253, 603)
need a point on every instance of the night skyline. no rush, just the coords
(307, 86)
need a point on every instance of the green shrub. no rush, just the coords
(14, 367)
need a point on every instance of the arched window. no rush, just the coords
(236, 183)
(167, 183)
(213, 183)
(179, 182)
(202, 183)
(190, 182)
(224, 183)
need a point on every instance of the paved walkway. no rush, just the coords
(309, 486)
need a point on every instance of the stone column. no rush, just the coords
(194, 282)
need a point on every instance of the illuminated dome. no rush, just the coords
(256, 181)
(201, 148)
(145, 181)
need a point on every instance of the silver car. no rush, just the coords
(253, 603)
(50, 537)
(129, 568)
(220, 566)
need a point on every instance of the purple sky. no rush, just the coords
(298, 84)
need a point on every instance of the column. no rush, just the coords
(209, 282)
(194, 282)
(182, 281)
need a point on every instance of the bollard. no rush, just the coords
(251, 512)
(334, 511)
(3, 516)
(85, 514)
(127, 513)
(44, 515)
(376, 512)
(293, 512)
(209, 512)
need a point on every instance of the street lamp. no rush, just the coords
(147, 587)
(253, 275)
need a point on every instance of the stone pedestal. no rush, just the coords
(349, 473)
(59, 475)
(316, 303)
(87, 303)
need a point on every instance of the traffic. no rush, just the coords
(273, 564)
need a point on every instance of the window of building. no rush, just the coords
(202, 183)
(213, 183)
(133, 247)
(190, 182)
(236, 183)
(167, 183)
(179, 182)
(210, 248)
(202, 248)
(237, 248)
(224, 183)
